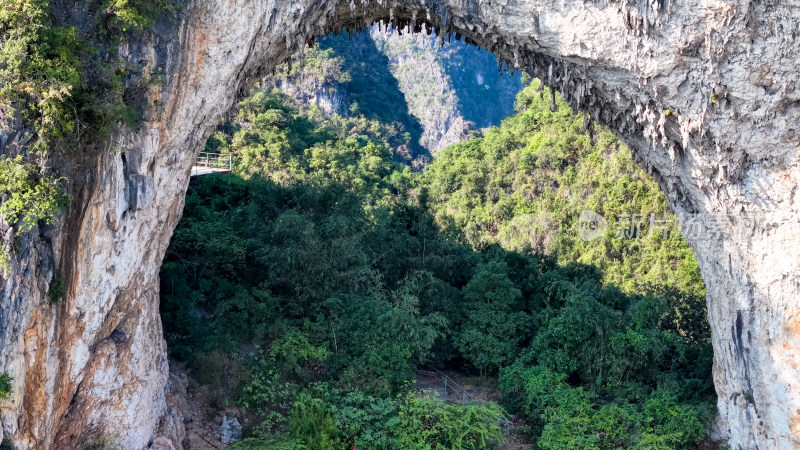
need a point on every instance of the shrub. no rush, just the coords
(312, 423)
(431, 423)
(270, 442)
(5, 386)
(27, 195)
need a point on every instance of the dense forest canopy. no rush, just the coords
(309, 286)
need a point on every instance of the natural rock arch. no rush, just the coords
(705, 95)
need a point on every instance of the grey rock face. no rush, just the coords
(704, 93)
(230, 431)
(328, 97)
(162, 444)
(437, 81)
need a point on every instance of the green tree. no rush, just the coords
(492, 329)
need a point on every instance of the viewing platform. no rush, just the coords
(208, 163)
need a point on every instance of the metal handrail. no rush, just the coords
(448, 382)
(214, 161)
(455, 387)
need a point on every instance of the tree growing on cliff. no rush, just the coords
(5, 386)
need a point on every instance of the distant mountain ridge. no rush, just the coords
(439, 95)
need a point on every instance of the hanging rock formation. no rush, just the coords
(705, 93)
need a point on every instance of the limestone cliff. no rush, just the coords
(452, 89)
(439, 94)
(704, 93)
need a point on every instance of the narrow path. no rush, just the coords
(433, 385)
